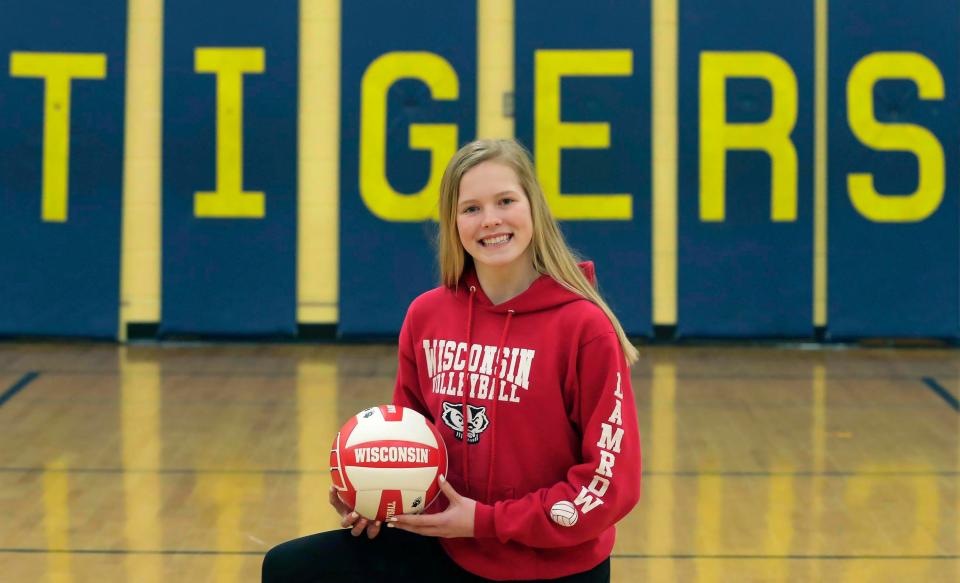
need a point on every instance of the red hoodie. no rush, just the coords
(552, 451)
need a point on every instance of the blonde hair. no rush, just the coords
(551, 255)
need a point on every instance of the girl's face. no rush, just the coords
(493, 216)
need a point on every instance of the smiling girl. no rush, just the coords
(524, 369)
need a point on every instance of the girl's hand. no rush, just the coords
(352, 520)
(456, 521)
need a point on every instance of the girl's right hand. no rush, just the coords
(352, 520)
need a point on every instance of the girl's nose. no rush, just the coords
(491, 220)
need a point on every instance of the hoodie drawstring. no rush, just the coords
(463, 399)
(496, 399)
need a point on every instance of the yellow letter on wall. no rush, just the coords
(229, 200)
(551, 135)
(771, 136)
(57, 69)
(439, 139)
(922, 202)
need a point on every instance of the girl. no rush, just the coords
(523, 368)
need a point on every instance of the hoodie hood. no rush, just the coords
(543, 294)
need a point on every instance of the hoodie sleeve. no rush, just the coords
(603, 488)
(406, 392)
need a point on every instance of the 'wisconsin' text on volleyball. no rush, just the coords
(392, 454)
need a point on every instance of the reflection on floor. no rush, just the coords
(159, 463)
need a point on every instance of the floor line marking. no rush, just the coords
(942, 392)
(18, 386)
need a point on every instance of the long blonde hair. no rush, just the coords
(551, 255)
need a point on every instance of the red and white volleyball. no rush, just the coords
(386, 461)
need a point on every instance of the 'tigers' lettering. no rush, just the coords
(592, 496)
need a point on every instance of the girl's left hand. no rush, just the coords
(456, 521)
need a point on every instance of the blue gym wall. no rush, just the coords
(60, 269)
(230, 271)
(608, 35)
(895, 277)
(387, 256)
(408, 87)
(745, 273)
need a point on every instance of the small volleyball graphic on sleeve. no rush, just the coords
(386, 461)
(564, 513)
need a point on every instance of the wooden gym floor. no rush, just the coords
(156, 463)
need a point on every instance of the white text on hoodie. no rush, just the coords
(592, 496)
(453, 366)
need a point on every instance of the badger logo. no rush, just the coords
(453, 417)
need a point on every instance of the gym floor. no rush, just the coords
(162, 462)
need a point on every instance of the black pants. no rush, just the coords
(394, 555)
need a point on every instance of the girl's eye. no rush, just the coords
(469, 210)
(506, 201)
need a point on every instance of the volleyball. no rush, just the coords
(564, 513)
(386, 460)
